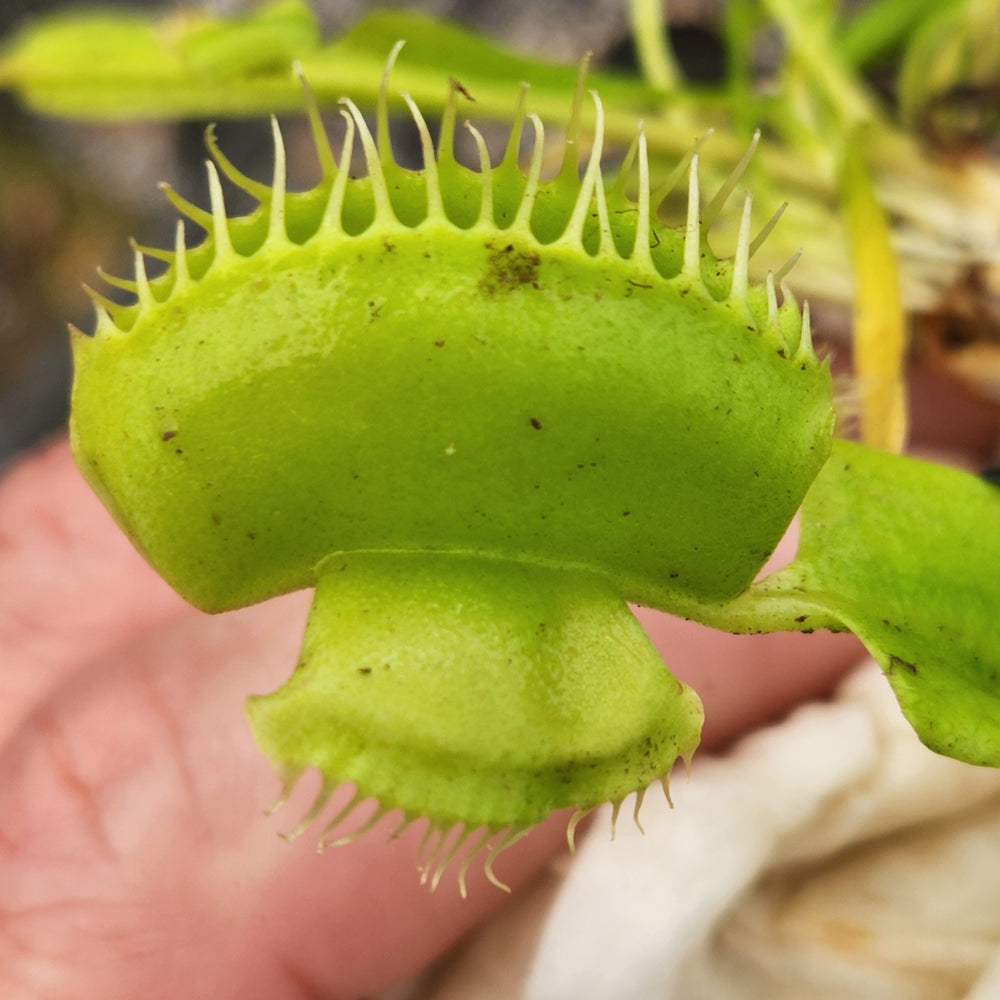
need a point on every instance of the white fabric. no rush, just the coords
(830, 856)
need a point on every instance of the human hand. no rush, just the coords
(133, 857)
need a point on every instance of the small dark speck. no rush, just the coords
(167, 435)
(461, 89)
(178, 451)
(537, 424)
(625, 513)
(801, 618)
(364, 670)
(673, 576)
(896, 661)
(439, 343)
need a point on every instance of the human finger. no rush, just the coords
(134, 860)
(71, 585)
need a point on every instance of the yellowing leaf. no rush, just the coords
(879, 324)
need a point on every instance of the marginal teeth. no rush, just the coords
(333, 215)
(143, 291)
(440, 846)
(186, 208)
(321, 141)
(741, 260)
(319, 804)
(470, 854)
(373, 163)
(486, 173)
(276, 227)
(510, 198)
(591, 189)
(641, 248)
(382, 105)
(219, 222)
(570, 171)
(713, 208)
(615, 809)
(523, 217)
(125, 284)
(182, 276)
(261, 192)
(104, 309)
(782, 272)
(506, 839)
(772, 301)
(805, 348)
(758, 240)
(512, 154)
(156, 253)
(639, 796)
(439, 861)
(684, 166)
(692, 230)
(435, 206)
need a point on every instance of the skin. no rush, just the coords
(134, 860)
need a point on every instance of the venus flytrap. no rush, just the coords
(479, 411)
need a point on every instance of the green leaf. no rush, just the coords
(879, 29)
(904, 553)
(270, 40)
(112, 64)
